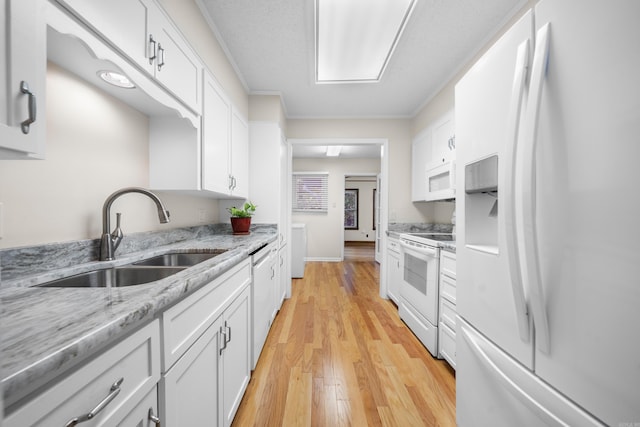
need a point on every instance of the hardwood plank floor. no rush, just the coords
(339, 355)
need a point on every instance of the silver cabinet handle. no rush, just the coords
(228, 334)
(152, 50)
(161, 55)
(113, 392)
(153, 418)
(230, 182)
(223, 333)
(24, 88)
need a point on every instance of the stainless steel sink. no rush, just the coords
(182, 259)
(115, 277)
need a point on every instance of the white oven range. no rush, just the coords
(419, 295)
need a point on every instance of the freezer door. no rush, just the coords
(494, 390)
(587, 180)
(483, 100)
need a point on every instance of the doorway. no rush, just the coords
(360, 222)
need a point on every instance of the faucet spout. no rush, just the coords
(109, 242)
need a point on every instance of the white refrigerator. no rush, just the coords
(548, 227)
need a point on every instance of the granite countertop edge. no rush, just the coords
(40, 341)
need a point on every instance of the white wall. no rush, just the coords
(325, 230)
(365, 231)
(95, 145)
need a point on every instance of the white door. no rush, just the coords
(378, 223)
(587, 170)
(485, 294)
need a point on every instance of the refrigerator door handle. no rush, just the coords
(531, 265)
(509, 223)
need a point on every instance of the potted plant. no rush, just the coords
(241, 218)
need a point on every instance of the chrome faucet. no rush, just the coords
(111, 241)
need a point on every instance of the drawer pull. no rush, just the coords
(113, 392)
(153, 418)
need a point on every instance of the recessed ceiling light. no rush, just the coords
(356, 38)
(333, 150)
(116, 79)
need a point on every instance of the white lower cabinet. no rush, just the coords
(394, 273)
(447, 322)
(116, 386)
(189, 392)
(207, 352)
(235, 355)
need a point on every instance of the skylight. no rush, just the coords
(356, 38)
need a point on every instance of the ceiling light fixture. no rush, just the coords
(116, 79)
(333, 150)
(356, 38)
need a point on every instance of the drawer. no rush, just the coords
(448, 263)
(183, 323)
(393, 245)
(135, 360)
(448, 288)
(448, 313)
(447, 344)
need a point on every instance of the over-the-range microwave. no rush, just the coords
(441, 182)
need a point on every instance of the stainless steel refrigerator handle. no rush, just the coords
(531, 266)
(507, 193)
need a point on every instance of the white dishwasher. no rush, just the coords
(263, 298)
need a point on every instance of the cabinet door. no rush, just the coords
(189, 390)
(443, 149)
(176, 65)
(123, 23)
(420, 153)
(284, 275)
(215, 137)
(24, 60)
(393, 272)
(236, 355)
(239, 155)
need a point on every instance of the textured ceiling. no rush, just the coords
(271, 44)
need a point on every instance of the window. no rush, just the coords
(309, 193)
(351, 209)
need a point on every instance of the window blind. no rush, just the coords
(310, 191)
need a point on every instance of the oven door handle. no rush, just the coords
(425, 251)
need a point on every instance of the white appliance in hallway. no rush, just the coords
(548, 296)
(298, 249)
(419, 292)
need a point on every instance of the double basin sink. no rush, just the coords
(137, 273)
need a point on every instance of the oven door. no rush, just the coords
(419, 286)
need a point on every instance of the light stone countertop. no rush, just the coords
(47, 331)
(396, 229)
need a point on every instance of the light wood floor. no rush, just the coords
(338, 355)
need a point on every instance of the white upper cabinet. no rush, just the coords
(216, 134)
(140, 30)
(22, 79)
(433, 161)
(225, 144)
(239, 155)
(175, 64)
(122, 22)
